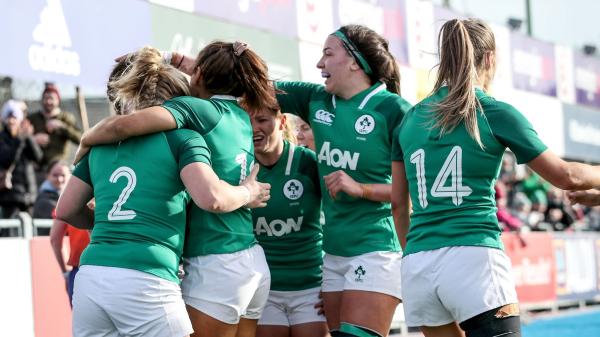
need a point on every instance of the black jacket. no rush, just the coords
(23, 177)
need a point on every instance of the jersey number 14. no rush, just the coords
(452, 168)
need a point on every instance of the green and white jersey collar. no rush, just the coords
(363, 97)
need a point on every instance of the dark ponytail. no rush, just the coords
(234, 69)
(375, 49)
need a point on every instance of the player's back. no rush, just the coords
(140, 212)
(451, 179)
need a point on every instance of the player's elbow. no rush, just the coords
(211, 203)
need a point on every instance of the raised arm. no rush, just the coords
(215, 195)
(72, 204)
(117, 128)
(400, 201)
(563, 174)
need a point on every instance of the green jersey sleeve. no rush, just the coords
(193, 113)
(397, 154)
(188, 147)
(82, 170)
(393, 104)
(513, 130)
(308, 164)
(296, 97)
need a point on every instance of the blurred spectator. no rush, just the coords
(536, 188)
(524, 197)
(58, 173)
(304, 133)
(18, 153)
(53, 128)
(505, 218)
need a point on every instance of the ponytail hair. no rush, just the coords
(144, 80)
(463, 45)
(374, 48)
(234, 69)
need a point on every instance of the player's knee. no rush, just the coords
(351, 330)
(503, 321)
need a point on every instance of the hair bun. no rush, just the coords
(239, 48)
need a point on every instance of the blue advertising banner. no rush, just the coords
(587, 79)
(276, 16)
(70, 41)
(533, 65)
(581, 133)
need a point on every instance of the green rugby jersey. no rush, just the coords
(355, 136)
(140, 214)
(289, 228)
(451, 179)
(227, 130)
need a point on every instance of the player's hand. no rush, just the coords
(260, 193)
(339, 181)
(319, 305)
(82, 150)
(188, 64)
(586, 198)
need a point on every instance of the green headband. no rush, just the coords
(351, 48)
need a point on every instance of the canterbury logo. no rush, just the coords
(324, 117)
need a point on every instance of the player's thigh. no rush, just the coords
(246, 327)
(207, 326)
(312, 329)
(368, 309)
(446, 330)
(273, 331)
(331, 305)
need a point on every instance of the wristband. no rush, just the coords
(366, 191)
(167, 56)
(247, 192)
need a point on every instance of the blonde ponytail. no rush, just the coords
(148, 81)
(462, 45)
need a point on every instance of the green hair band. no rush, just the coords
(351, 48)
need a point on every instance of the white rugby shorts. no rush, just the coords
(289, 308)
(110, 301)
(375, 271)
(454, 284)
(228, 287)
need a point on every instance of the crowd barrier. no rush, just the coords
(550, 270)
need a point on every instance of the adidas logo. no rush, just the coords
(324, 117)
(51, 39)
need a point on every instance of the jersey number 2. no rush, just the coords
(452, 168)
(116, 213)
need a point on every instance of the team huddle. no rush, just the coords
(210, 220)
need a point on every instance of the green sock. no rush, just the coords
(357, 331)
